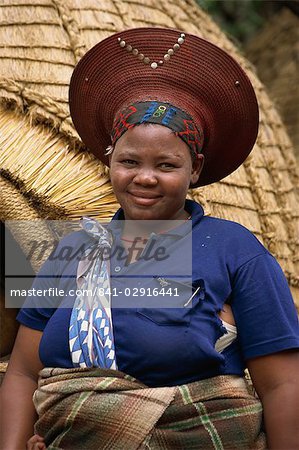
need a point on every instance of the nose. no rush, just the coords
(145, 177)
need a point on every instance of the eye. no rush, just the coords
(167, 165)
(129, 162)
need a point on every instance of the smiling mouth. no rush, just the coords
(144, 199)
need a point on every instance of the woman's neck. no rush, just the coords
(144, 228)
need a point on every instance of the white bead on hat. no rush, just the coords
(146, 59)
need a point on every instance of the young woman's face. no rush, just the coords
(151, 170)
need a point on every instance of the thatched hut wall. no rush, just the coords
(275, 53)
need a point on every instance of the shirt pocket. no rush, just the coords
(179, 308)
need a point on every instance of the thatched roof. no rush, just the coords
(45, 170)
(275, 53)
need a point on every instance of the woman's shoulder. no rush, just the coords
(69, 248)
(229, 229)
(72, 242)
(231, 239)
(226, 225)
(227, 232)
(75, 238)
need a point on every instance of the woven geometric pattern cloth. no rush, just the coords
(101, 408)
(53, 175)
(161, 114)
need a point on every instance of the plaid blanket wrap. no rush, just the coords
(97, 409)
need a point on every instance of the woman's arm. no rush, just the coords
(20, 381)
(276, 380)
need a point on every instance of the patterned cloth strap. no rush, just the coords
(91, 339)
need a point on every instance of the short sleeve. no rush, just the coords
(53, 281)
(263, 308)
(40, 303)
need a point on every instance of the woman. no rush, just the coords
(156, 358)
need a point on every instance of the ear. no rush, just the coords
(197, 166)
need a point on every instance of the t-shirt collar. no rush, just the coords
(193, 208)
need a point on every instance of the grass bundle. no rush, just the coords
(61, 182)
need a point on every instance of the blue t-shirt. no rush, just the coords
(173, 346)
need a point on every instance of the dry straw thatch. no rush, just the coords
(45, 173)
(3, 367)
(275, 52)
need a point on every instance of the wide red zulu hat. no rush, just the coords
(166, 65)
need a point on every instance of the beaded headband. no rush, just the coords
(160, 113)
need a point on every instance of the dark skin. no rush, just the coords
(17, 389)
(147, 176)
(276, 380)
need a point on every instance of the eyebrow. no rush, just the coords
(172, 155)
(127, 154)
(134, 154)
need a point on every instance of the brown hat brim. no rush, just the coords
(200, 78)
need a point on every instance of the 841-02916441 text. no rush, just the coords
(139, 292)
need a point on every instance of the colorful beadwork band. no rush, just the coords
(162, 114)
